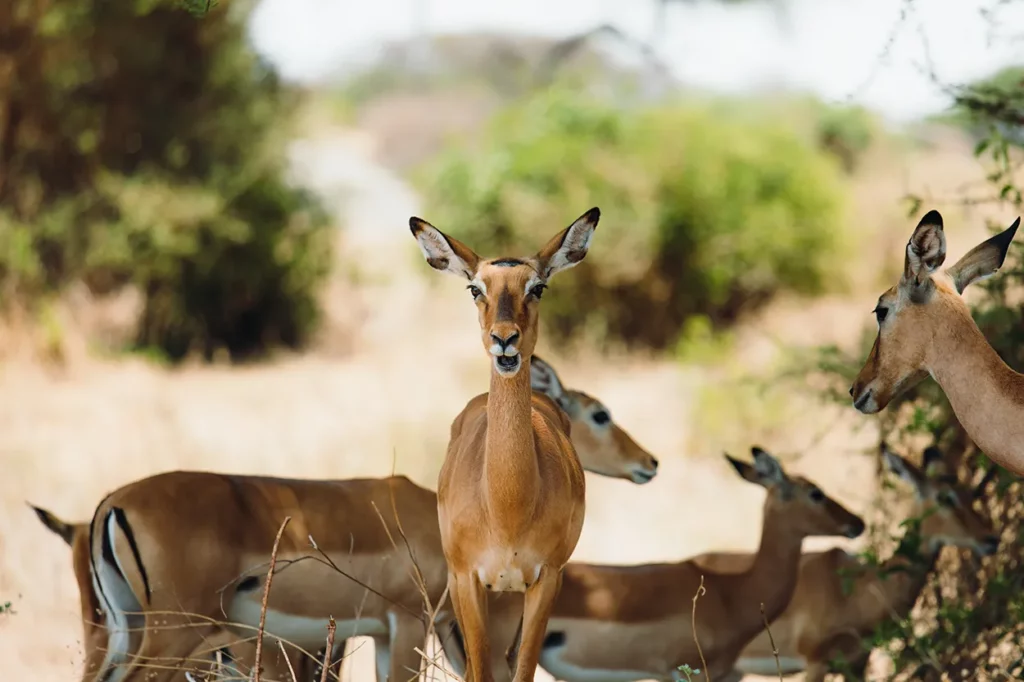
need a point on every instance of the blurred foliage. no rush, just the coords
(142, 146)
(969, 620)
(992, 108)
(707, 210)
(847, 132)
(508, 66)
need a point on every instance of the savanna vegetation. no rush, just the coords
(142, 146)
(715, 209)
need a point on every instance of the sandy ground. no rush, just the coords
(366, 404)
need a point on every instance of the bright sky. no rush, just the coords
(831, 47)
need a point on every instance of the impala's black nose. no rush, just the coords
(506, 342)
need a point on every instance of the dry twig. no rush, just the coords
(775, 649)
(263, 605)
(329, 653)
(693, 623)
(288, 661)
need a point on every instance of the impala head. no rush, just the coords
(924, 302)
(809, 510)
(507, 291)
(944, 506)
(602, 445)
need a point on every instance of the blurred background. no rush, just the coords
(205, 261)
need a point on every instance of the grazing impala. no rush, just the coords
(188, 550)
(511, 489)
(838, 602)
(925, 327)
(95, 633)
(622, 623)
(604, 448)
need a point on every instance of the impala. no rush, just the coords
(925, 327)
(201, 659)
(510, 495)
(838, 602)
(604, 448)
(623, 623)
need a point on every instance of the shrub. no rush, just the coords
(846, 132)
(142, 146)
(705, 212)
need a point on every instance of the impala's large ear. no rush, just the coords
(568, 247)
(544, 379)
(766, 470)
(904, 469)
(984, 259)
(926, 250)
(443, 252)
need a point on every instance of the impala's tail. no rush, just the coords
(65, 530)
(121, 583)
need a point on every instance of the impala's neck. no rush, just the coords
(771, 579)
(986, 395)
(510, 457)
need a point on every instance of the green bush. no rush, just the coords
(990, 109)
(706, 211)
(143, 146)
(846, 132)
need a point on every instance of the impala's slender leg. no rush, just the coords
(453, 595)
(166, 649)
(382, 657)
(95, 654)
(407, 633)
(472, 615)
(816, 672)
(540, 599)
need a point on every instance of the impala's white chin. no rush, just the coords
(507, 365)
(641, 476)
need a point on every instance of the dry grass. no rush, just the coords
(409, 361)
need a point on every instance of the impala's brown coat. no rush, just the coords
(511, 490)
(925, 327)
(838, 602)
(604, 448)
(621, 623)
(213, 565)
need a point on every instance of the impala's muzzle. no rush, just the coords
(855, 529)
(506, 355)
(864, 398)
(989, 546)
(645, 473)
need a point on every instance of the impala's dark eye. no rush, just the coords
(601, 417)
(475, 291)
(816, 495)
(947, 499)
(537, 290)
(880, 313)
